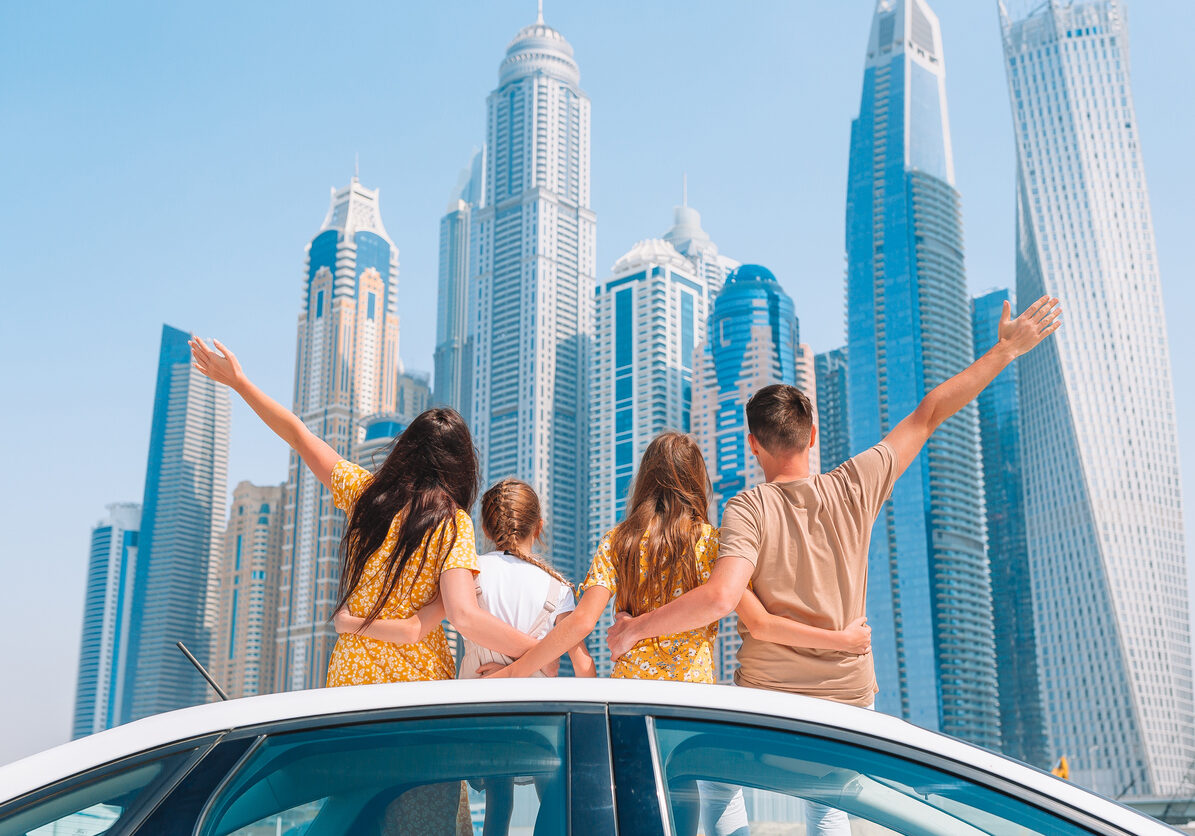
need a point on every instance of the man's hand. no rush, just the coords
(1038, 321)
(621, 636)
(856, 637)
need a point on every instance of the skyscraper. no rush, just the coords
(346, 368)
(535, 284)
(103, 648)
(456, 293)
(833, 425)
(1022, 729)
(243, 641)
(178, 547)
(413, 395)
(752, 340)
(694, 243)
(909, 329)
(649, 314)
(1103, 507)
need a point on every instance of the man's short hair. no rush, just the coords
(781, 419)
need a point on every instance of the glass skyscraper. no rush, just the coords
(346, 368)
(178, 547)
(751, 341)
(909, 329)
(833, 428)
(1103, 507)
(107, 604)
(1022, 722)
(535, 277)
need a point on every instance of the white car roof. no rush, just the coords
(52, 765)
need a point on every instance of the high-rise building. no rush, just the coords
(694, 243)
(535, 285)
(1022, 722)
(649, 315)
(103, 648)
(178, 546)
(833, 428)
(243, 641)
(347, 367)
(752, 340)
(909, 329)
(1103, 506)
(414, 395)
(456, 297)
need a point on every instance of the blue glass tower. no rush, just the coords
(179, 542)
(1022, 722)
(909, 329)
(833, 428)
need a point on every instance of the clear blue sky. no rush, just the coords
(168, 162)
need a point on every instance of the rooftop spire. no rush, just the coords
(356, 167)
(539, 13)
(684, 187)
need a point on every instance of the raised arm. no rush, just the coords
(696, 608)
(223, 367)
(854, 638)
(393, 630)
(569, 631)
(1016, 337)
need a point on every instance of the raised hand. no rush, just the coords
(1038, 321)
(221, 367)
(856, 637)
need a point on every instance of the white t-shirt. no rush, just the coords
(514, 591)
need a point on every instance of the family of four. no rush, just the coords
(790, 555)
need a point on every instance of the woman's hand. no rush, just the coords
(345, 622)
(222, 367)
(856, 637)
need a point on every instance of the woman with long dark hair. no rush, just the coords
(408, 541)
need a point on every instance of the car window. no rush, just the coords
(95, 802)
(772, 780)
(422, 776)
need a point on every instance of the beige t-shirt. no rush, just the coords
(808, 542)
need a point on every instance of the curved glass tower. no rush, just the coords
(909, 329)
(1103, 502)
(535, 281)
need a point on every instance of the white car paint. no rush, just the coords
(35, 771)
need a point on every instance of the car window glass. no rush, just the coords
(778, 781)
(95, 802)
(403, 776)
(293, 822)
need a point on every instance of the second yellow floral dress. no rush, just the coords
(680, 657)
(357, 660)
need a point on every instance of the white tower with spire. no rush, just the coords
(691, 241)
(535, 280)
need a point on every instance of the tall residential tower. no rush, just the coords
(909, 329)
(1103, 507)
(346, 367)
(535, 276)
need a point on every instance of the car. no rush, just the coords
(534, 756)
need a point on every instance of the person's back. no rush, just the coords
(811, 536)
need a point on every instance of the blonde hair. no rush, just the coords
(509, 515)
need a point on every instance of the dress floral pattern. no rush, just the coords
(357, 660)
(680, 657)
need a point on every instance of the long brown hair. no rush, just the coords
(430, 472)
(669, 503)
(509, 515)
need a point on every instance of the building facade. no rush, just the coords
(179, 543)
(413, 395)
(833, 421)
(107, 602)
(649, 315)
(535, 285)
(909, 329)
(346, 367)
(456, 295)
(1022, 722)
(691, 241)
(243, 641)
(752, 340)
(1103, 506)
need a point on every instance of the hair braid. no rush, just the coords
(509, 514)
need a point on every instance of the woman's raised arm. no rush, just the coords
(222, 366)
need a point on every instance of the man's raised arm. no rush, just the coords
(1016, 337)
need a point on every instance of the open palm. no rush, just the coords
(1038, 321)
(221, 367)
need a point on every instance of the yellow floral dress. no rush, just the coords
(680, 657)
(357, 660)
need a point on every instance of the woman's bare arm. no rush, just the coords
(569, 631)
(393, 630)
(761, 624)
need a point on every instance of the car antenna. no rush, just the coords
(202, 670)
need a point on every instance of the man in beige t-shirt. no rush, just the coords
(801, 539)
